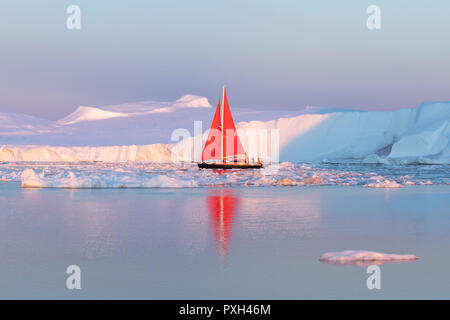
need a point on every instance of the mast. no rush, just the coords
(223, 128)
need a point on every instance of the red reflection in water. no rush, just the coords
(221, 171)
(222, 208)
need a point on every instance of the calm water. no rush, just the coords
(221, 243)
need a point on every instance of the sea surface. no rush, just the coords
(223, 235)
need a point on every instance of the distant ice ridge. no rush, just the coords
(361, 256)
(142, 131)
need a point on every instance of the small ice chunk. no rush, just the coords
(384, 184)
(313, 180)
(286, 182)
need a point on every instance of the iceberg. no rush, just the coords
(142, 131)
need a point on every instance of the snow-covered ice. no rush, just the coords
(141, 131)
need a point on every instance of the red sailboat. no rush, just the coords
(223, 148)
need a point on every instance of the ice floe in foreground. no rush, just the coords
(362, 258)
(30, 179)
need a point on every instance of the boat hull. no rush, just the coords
(204, 165)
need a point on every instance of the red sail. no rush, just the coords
(212, 149)
(233, 151)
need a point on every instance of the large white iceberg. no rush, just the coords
(142, 131)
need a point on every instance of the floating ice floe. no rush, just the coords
(386, 184)
(30, 179)
(361, 257)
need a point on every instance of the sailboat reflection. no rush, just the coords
(222, 207)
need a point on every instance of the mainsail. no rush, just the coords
(233, 151)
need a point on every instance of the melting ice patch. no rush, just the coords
(361, 257)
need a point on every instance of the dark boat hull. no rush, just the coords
(204, 165)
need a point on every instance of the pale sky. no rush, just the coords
(270, 54)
